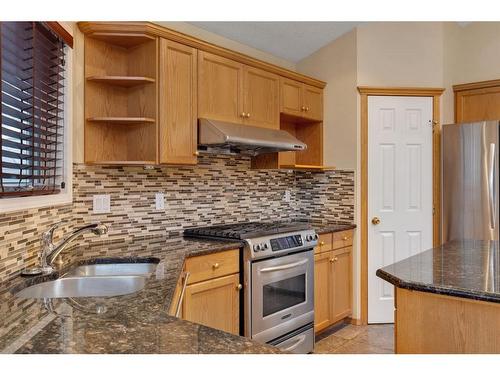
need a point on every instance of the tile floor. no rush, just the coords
(351, 339)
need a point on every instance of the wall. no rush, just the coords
(220, 189)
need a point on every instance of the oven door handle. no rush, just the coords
(285, 266)
(300, 340)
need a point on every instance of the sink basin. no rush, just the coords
(98, 286)
(113, 269)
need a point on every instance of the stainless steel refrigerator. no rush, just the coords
(470, 181)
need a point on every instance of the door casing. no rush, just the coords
(365, 92)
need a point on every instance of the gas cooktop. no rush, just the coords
(247, 230)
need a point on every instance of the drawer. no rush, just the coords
(206, 267)
(342, 239)
(324, 243)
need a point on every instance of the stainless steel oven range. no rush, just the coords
(278, 277)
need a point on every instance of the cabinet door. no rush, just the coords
(323, 289)
(261, 98)
(178, 107)
(313, 102)
(291, 97)
(214, 303)
(342, 269)
(220, 88)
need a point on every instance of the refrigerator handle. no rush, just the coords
(491, 186)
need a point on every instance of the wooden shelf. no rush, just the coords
(122, 120)
(124, 40)
(303, 167)
(123, 81)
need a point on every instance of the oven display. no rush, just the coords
(286, 242)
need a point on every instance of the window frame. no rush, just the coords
(65, 196)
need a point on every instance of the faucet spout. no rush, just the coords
(50, 251)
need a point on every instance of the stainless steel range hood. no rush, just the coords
(219, 136)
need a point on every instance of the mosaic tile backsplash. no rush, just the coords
(220, 189)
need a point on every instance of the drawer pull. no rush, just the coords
(346, 238)
(215, 266)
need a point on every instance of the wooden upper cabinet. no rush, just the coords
(261, 98)
(301, 100)
(291, 97)
(313, 102)
(219, 88)
(177, 103)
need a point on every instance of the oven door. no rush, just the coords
(282, 295)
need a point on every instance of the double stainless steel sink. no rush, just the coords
(95, 280)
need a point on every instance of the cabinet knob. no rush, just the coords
(248, 115)
(302, 108)
(321, 243)
(332, 260)
(215, 266)
(346, 238)
(196, 153)
(243, 114)
(307, 109)
(239, 287)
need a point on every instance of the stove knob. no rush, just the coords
(256, 247)
(316, 236)
(309, 238)
(264, 246)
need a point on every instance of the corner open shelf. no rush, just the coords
(123, 40)
(303, 167)
(122, 120)
(122, 81)
(121, 102)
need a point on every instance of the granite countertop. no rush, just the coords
(138, 322)
(134, 323)
(464, 268)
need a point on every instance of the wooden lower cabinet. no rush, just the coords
(332, 287)
(214, 303)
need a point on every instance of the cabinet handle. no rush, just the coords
(302, 108)
(332, 260)
(239, 287)
(181, 298)
(346, 238)
(307, 109)
(215, 266)
(248, 115)
(196, 153)
(243, 114)
(321, 243)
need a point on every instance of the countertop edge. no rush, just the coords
(452, 291)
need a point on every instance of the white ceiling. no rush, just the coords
(291, 41)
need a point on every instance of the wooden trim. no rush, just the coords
(152, 29)
(400, 91)
(60, 30)
(476, 85)
(435, 93)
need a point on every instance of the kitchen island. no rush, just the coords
(448, 299)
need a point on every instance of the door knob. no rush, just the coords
(375, 221)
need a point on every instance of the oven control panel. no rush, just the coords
(269, 246)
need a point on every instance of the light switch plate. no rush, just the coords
(101, 203)
(160, 201)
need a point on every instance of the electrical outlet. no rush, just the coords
(101, 204)
(160, 201)
(287, 196)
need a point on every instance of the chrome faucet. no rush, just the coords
(50, 251)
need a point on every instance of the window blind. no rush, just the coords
(32, 94)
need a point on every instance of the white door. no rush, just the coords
(399, 190)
